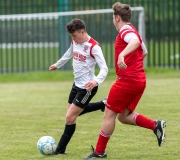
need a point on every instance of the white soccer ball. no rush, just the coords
(46, 145)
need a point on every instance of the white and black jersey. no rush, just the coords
(85, 56)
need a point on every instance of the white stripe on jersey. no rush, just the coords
(131, 36)
(126, 31)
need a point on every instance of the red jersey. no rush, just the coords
(134, 60)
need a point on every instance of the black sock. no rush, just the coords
(93, 107)
(65, 138)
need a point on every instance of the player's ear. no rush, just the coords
(117, 18)
(82, 31)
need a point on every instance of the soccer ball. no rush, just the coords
(46, 145)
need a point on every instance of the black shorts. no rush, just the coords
(81, 97)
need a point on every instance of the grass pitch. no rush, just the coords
(29, 110)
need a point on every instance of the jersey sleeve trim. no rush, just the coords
(126, 31)
(93, 42)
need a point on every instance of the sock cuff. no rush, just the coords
(134, 119)
(102, 133)
(70, 125)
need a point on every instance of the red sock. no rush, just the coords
(102, 142)
(144, 122)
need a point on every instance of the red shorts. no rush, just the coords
(125, 94)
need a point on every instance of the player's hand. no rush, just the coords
(90, 85)
(121, 64)
(52, 67)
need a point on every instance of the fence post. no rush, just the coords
(64, 41)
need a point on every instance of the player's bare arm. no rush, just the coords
(133, 45)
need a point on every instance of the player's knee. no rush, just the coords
(70, 119)
(121, 119)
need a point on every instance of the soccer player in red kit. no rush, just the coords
(127, 90)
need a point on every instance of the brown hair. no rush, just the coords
(123, 10)
(74, 25)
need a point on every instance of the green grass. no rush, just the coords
(60, 75)
(33, 108)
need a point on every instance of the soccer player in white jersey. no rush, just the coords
(86, 53)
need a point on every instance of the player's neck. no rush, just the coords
(86, 38)
(122, 24)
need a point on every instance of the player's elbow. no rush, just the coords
(106, 70)
(144, 55)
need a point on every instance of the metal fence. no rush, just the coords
(162, 23)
